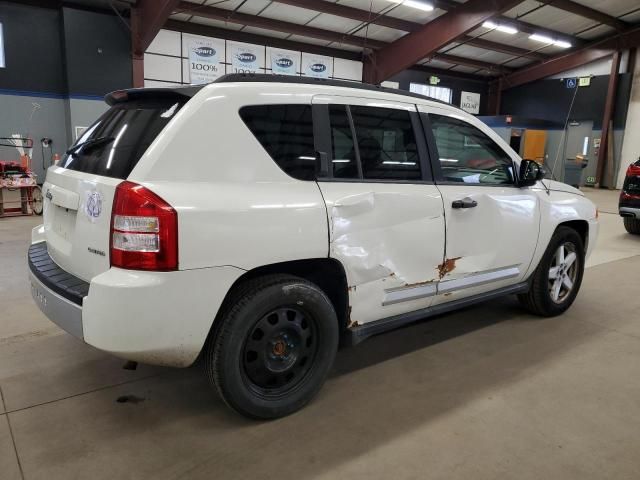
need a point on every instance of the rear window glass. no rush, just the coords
(286, 133)
(112, 146)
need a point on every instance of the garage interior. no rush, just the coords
(487, 392)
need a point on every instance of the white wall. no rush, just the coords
(631, 142)
(166, 60)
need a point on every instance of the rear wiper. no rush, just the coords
(91, 143)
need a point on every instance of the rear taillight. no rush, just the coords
(144, 230)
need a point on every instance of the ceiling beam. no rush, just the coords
(588, 12)
(276, 25)
(413, 47)
(426, 68)
(469, 62)
(521, 25)
(561, 63)
(239, 36)
(502, 48)
(147, 18)
(324, 6)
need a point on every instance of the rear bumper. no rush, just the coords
(58, 294)
(159, 318)
(64, 313)
(631, 212)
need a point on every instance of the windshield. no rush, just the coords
(117, 140)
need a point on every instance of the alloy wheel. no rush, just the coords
(563, 272)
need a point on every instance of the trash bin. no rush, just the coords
(573, 171)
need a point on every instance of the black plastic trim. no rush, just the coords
(53, 277)
(356, 335)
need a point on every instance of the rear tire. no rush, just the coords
(274, 347)
(632, 225)
(557, 279)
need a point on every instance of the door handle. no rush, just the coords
(464, 203)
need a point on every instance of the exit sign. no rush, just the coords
(433, 80)
(584, 81)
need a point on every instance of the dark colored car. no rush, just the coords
(629, 206)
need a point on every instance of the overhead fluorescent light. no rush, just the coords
(507, 29)
(501, 28)
(562, 44)
(426, 7)
(536, 37)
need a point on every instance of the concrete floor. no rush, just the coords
(490, 392)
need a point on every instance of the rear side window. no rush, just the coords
(112, 146)
(345, 163)
(384, 148)
(286, 133)
(386, 143)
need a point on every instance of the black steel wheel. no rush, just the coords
(273, 345)
(280, 350)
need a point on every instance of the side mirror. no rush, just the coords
(530, 173)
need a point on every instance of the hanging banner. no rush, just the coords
(317, 66)
(470, 102)
(284, 62)
(204, 58)
(246, 58)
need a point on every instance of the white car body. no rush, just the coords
(404, 250)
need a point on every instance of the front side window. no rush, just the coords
(286, 133)
(384, 148)
(467, 155)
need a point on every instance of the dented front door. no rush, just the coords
(492, 225)
(389, 236)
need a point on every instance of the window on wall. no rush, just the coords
(468, 155)
(439, 93)
(1, 47)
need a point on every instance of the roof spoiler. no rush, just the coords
(121, 96)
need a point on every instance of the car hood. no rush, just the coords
(556, 186)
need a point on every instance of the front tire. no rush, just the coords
(632, 225)
(557, 279)
(275, 346)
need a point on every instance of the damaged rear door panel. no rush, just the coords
(389, 235)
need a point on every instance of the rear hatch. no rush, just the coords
(79, 192)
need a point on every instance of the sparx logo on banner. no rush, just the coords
(245, 59)
(204, 61)
(284, 63)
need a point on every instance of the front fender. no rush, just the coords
(556, 208)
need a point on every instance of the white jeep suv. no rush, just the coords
(259, 221)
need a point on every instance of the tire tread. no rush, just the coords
(242, 295)
(632, 225)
